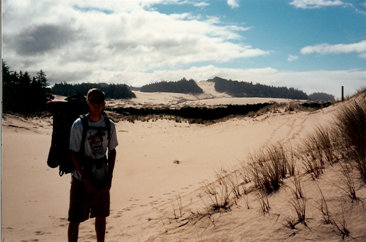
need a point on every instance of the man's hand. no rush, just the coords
(109, 184)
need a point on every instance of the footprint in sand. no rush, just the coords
(39, 233)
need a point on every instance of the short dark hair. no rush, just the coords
(96, 92)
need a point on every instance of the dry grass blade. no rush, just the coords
(264, 202)
(298, 190)
(324, 209)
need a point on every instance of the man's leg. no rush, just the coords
(73, 231)
(100, 226)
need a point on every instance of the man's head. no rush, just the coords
(96, 103)
(95, 96)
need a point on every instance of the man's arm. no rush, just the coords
(75, 160)
(111, 162)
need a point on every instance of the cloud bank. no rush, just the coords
(133, 43)
(324, 49)
(309, 4)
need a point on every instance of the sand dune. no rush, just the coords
(160, 170)
(209, 97)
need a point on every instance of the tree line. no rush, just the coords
(321, 96)
(26, 94)
(248, 89)
(181, 86)
(112, 90)
(23, 93)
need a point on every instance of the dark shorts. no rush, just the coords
(84, 205)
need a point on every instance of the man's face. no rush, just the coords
(96, 104)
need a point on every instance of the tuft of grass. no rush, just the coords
(348, 183)
(234, 183)
(298, 190)
(268, 168)
(351, 125)
(298, 203)
(291, 163)
(324, 209)
(318, 150)
(177, 208)
(340, 223)
(312, 164)
(324, 144)
(299, 206)
(219, 193)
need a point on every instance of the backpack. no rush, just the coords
(64, 114)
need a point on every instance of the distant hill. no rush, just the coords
(248, 89)
(182, 86)
(112, 90)
(321, 96)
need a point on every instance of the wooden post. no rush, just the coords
(342, 93)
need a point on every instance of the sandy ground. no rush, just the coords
(160, 170)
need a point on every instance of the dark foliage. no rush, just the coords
(112, 90)
(22, 93)
(316, 105)
(246, 89)
(321, 96)
(182, 86)
(197, 114)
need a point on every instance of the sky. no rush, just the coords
(311, 45)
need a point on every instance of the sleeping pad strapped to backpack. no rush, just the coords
(64, 114)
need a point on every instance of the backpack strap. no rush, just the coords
(108, 126)
(84, 120)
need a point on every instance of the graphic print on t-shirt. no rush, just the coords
(96, 143)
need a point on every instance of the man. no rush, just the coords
(90, 140)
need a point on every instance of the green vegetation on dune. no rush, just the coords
(117, 91)
(182, 86)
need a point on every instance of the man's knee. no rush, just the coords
(74, 225)
(100, 220)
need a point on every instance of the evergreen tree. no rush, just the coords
(23, 94)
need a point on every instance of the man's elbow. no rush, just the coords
(112, 152)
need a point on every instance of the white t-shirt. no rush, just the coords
(96, 141)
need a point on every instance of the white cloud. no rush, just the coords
(102, 41)
(292, 58)
(233, 3)
(120, 37)
(324, 49)
(305, 4)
